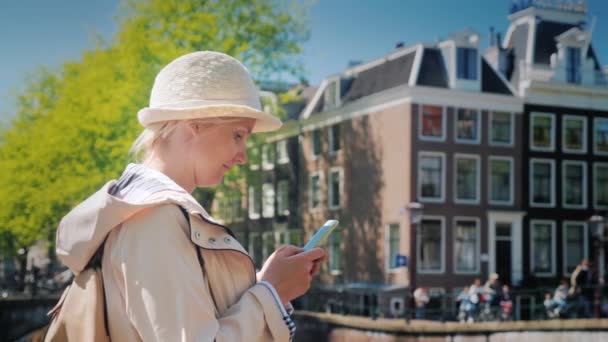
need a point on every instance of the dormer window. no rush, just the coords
(331, 97)
(573, 65)
(466, 59)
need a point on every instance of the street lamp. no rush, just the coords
(598, 223)
(414, 213)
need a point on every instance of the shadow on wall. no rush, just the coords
(362, 213)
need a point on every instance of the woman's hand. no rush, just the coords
(290, 270)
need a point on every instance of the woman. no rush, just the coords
(171, 273)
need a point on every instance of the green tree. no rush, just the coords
(74, 126)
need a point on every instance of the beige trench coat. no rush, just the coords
(155, 287)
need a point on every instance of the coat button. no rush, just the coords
(197, 235)
(227, 240)
(212, 240)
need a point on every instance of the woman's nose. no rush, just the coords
(241, 157)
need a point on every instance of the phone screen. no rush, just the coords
(321, 235)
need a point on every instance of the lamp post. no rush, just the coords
(598, 224)
(414, 213)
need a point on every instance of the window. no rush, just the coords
(541, 132)
(467, 63)
(269, 244)
(331, 95)
(335, 252)
(601, 135)
(335, 188)
(574, 184)
(600, 185)
(467, 126)
(267, 157)
(501, 180)
(543, 247)
(315, 190)
(575, 244)
(334, 139)
(431, 123)
(573, 65)
(393, 240)
(282, 156)
(254, 203)
(501, 129)
(295, 237)
(542, 183)
(430, 245)
(431, 176)
(466, 245)
(268, 202)
(316, 142)
(254, 158)
(467, 179)
(574, 134)
(283, 197)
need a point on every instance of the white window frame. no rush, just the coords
(583, 150)
(511, 142)
(584, 182)
(387, 247)
(477, 140)
(336, 271)
(330, 192)
(282, 153)
(310, 207)
(531, 183)
(335, 102)
(511, 179)
(255, 151)
(477, 159)
(330, 139)
(553, 248)
(253, 215)
(280, 203)
(551, 148)
(477, 63)
(271, 210)
(266, 163)
(595, 187)
(564, 244)
(444, 125)
(478, 243)
(265, 236)
(441, 198)
(418, 245)
(595, 126)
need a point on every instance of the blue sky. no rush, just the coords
(45, 32)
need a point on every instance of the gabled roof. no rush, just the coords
(387, 75)
(425, 63)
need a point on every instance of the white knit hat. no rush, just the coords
(205, 84)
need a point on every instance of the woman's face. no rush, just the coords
(216, 148)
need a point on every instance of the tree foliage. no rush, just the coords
(74, 126)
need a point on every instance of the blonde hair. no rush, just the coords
(158, 132)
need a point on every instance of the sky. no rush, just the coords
(50, 32)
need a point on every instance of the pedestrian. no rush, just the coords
(582, 286)
(421, 299)
(171, 272)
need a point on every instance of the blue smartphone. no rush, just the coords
(321, 235)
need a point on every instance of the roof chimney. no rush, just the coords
(491, 36)
(399, 45)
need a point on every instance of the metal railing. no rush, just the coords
(526, 304)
